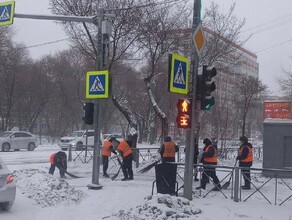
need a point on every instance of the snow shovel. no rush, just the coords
(149, 167)
(116, 175)
(226, 185)
(72, 175)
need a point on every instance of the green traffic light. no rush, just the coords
(208, 103)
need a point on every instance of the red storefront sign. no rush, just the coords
(277, 109)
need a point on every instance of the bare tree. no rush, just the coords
(156, 42)
(222, 37)
(120, 43)
(12, 61)
(286, 83)
(248, 90)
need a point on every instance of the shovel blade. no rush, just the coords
(226, 185)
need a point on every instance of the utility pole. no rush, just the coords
(97, 142)
(192, 133)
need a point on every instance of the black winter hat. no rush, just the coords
(112, 139)
(243, 139)
(207, 141)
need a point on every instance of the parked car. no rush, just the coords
(116, 136)
(16, 140)
(77, 140)
(7, 187)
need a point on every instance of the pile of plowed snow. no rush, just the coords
(160, 207)
(46, 190)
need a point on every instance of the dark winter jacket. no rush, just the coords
(60, 160)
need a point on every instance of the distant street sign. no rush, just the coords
(277, 109)
(179, 74)
(6, 13)
(198, 38)
(97, 84)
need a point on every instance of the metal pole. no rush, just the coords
(96, 150)
(190, 145)
(236, 185)
(86, 143)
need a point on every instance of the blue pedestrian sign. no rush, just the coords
(179, 74)
(6, 13)
(97, 84)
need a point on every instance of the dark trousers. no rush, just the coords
(104, 164)
(127, 167)
(246, 174)
(168, 159)
(60, 167)
(209, 172)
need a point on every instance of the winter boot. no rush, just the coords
(199, 187)
(125, 179)
(106, 175)
(245, 187)
(196, 179)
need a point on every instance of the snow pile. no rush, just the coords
(160, 207)
(46, 190)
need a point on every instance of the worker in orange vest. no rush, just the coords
(168, 149)
(245, 157)
(58, 160)
(209, 157)
(106, 151)
(125, 151)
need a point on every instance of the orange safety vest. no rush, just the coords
(51, 159)
(249, 157)
(106, 151)
(169, 149)
(124, 148)
(211, 159)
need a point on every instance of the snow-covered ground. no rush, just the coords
(44, 197)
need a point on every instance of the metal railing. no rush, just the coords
(232, 153)
(273, 189)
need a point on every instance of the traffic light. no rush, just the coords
(184, 108)
(205, 87)
(88, 113)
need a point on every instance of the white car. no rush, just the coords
(118, 137)
(77, 140)
(7, 187)
(16, 140)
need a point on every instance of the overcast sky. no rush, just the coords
(268, 21)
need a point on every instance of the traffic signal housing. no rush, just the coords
(184, 108)
(205, 87)
(88, 113)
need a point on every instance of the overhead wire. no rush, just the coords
(129, 8)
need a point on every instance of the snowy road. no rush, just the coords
(44, 197)
(39, 155)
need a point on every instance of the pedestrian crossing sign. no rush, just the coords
(179, 74)
(97, 84)
(6, 13)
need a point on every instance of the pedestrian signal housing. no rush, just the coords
(88, 113)
(184, 108)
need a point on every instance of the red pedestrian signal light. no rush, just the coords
(184, 109)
